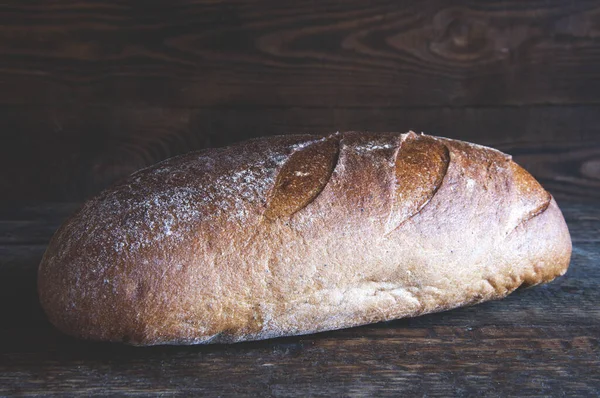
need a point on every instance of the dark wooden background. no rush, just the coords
(90, 91)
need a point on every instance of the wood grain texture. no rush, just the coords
(542, 341)
(190, 53)
(70, 153)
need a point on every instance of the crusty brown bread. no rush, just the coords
(300, 234)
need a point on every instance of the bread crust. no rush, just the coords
(300, 234)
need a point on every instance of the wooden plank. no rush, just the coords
(565, 169)
(324, 54)
(18, 286)
(445, 361)
(583, 221)
(538, 341)
(32, 224)
(70, 153)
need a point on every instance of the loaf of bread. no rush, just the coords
(299, 234)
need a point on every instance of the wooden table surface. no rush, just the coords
(539, 341)
(92, 90)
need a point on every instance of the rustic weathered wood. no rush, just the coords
(567, 169)
(70, 153)
(539, 341)
(324, 53)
